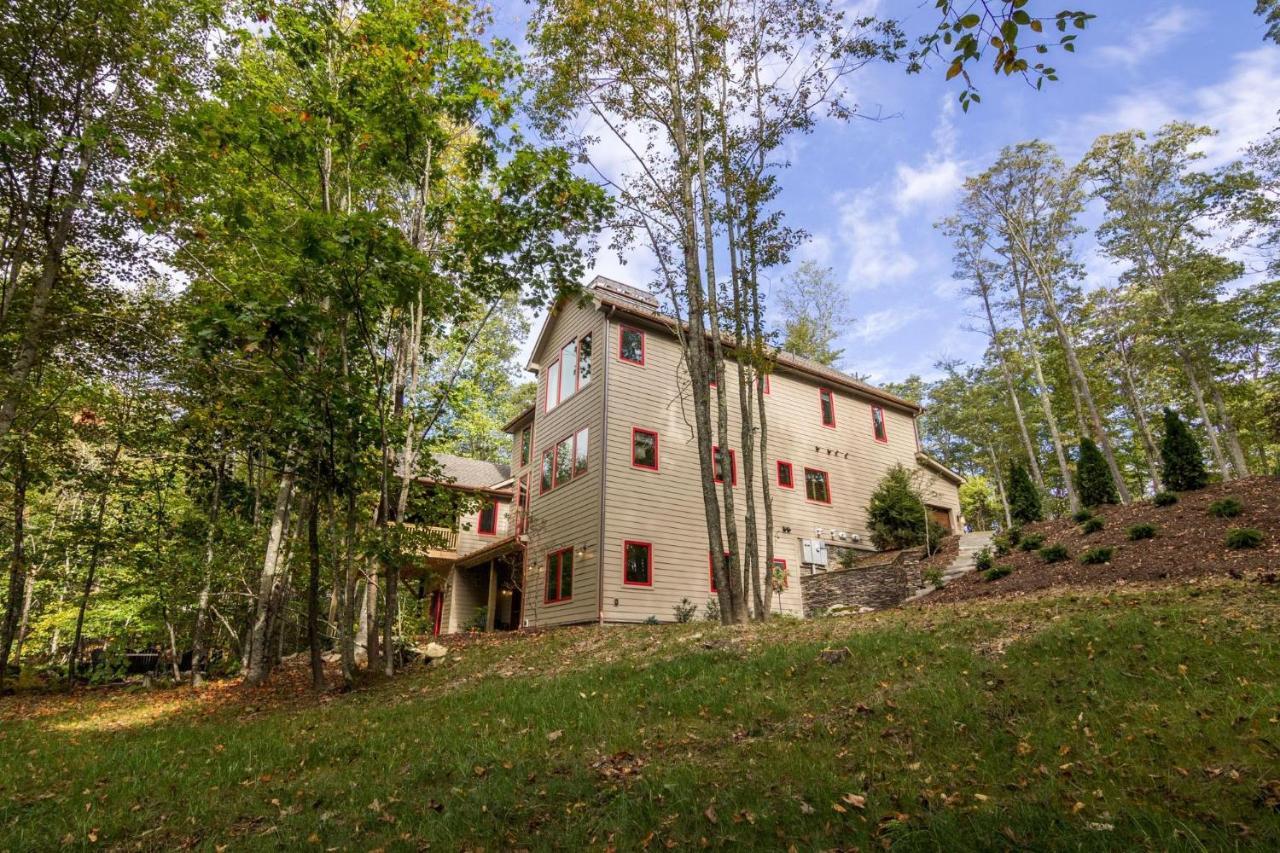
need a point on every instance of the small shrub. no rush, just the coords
(1015, 535)
(1165, 499)
(1082, 516)
(1243, 537)
(713, 610)
(995, 573)
(1031, 542)
(1092, 525)
(685, 611)
(1053, 553)
(1002, 545)
(983, 560)
(1096, 556)
(1136, 532)
(652, 620)
(1226, 508)
(933, 577)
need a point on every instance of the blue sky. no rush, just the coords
(868, 192)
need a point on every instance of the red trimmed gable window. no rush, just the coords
(488, 525)
(553, 386)
(719, 465)
(637, 563)
(559, 576)
(711, 568)
(631, 345)
(644, 449)
(827, 401)
(786, 478)
(878, 428)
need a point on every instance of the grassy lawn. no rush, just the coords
(1145, 718)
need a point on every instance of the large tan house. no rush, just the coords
(600, 517)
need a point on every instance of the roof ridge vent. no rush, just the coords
(626, 291)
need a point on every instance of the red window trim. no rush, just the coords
(532, 444)
(493, 530)
(656, 457)
(884, 422)
(553, 369)
(649, 549)
(733, 465)
(821, 414)
(786, 576)
(543, 488)
(790, 470)
(767, 392)
(624, 327)
(522, 508)
(546, 580)
(711, 569)
(826, 478)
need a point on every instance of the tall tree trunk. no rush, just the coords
(1130, 387)
(17, 564)
(1004, 498)
(1238, 460)
(174, 660)
(95, 556)
(1197, 395)
(206, 587)
(270, 585)
(1002, 359)
(347, 580)
(313, 593)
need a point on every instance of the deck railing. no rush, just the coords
(442, 539)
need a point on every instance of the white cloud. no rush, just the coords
(878, 325)
(869, 229)
(1148, 38)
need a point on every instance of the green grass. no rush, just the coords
(1134, 719)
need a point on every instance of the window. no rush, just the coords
(488, 525)
(778, 580)
(877, 424)
(553, 386)
(786, 479)
(559, 576)
(711, 568)
(765, 379)
(564, 461)
(828, 403)
(522, 504)
(580, 452)
(568, 370)
(526, 445)
(631, 345)
(816, 486)
(637, 564)
(719, 465)
(584, 361)
(644, 449)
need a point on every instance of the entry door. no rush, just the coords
(942, 516)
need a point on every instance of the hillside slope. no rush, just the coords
(1189, 543)
(1147, 718)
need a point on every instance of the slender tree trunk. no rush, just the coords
(1197, 394)
(1002, 359)
(270, 585)
(95, 556)
(1238, 460)
(1130, 386)
(347, 581)
(206, 587)
(17, 564)
(174, 660)
(313, 593)
(1046, 404)
(1004, 498)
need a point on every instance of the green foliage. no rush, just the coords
(652, 620)
(1226, 508)
(1093, 478)
(996, 572)
(1082, 516)
(713, 610)
(1031, 542)
(1244, 537)
(1024, 498)
(814, 307)
(1138, 532)
(685, 611)
(479, 619)
(896, 514)
(978, 502)
(1092, 525)
(1003, 547)
(1053, 553)
(1096, 556)
(1181, 460)
(984, 560)
(1164, 499)
(933, 576)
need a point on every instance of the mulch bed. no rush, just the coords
(1189, 543)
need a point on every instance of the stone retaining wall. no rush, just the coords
(884, 584)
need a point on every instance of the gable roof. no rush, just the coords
(927, 461)
(467, 473)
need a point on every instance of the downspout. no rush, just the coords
(604, 470)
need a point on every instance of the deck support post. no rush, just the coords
(491, 610)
